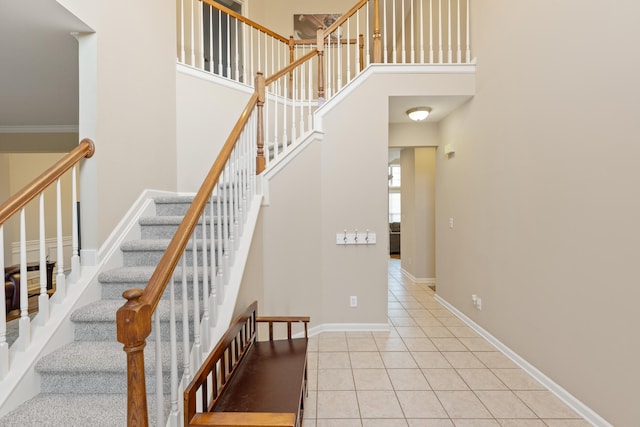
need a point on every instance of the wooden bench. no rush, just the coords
(246, 382)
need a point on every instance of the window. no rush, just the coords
(394, 176)
(394, 207)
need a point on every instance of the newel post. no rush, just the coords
(320, 48)
(260, 159)
(134, 326)
(377, 42)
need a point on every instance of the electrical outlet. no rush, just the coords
(353, 301)
(479, 303)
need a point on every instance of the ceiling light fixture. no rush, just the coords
(418, 114)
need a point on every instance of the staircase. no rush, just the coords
(85, 382)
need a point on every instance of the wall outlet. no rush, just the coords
(479, 303)
(353, 301)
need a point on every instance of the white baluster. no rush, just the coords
(205, 283)
(228, 47)
(75, 250)
(192, 49)
(182, 30)
(212, 268)
(199, 34)
(225, 222)
(366, 39)
(236, 193)
(348, 47)
(61, 280)
(197, 347)
(259, 53)
(220, 69)
(440, 54)
(293, 109)
(232, 218)
(310, 98)
(468, 36)
(186, 372)
(384, 29)
(236, 43)
(404, 50)
(212, 61)
(276, 125)
(220, 282)
(329, 74)
(24, 325)
(393, 32)
(252, 56)
(430, 31)
(244, 52)
(459, 48)
(43, 298)
(339, 61)
(412, 36)
(450, 53)
(159, 373)
(174, 415)
(4, 346)
(421, 32)
(302, 88)
(285, 137)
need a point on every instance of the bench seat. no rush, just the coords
(269, 379)
(246, 382)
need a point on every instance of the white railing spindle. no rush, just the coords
(174, 415)
(159, 373)
(4, 347)
(212, 267)
(430, 31)
(458, 26)
(186, 365)
(24, 325)
(75, 250)
(450, 52)
(205, 284)
(468, 36)
(197, 347)
(43, 297)
(403, 38)
(384, 30)
(393, 33)
(228, 48)
(61, 280)
(440, 60)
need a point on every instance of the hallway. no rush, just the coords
(428, 370)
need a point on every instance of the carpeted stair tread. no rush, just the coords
(140, 274)
(154, 245)
(166, 220)
(81, 357)
(105, 311)
(98, 410)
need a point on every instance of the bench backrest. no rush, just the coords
(213, 375)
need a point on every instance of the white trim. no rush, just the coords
(40, 129)
(422, 280)
(571, 401)
(214, 78)
(349, 327)
(33, 249)
(372, 69)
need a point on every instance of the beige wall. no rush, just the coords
(5, 192)
(543, 188)
(38, 142)
(424, 134)
(128, 103)
(203, 125)
(418, 212)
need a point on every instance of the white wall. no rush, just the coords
(543, 188)
(425, 134)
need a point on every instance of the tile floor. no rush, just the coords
(429, 370)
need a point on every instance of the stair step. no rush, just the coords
(164, 227)
(97, 367)
(101, 410)
(114, 282)
(178, 205)
(97, 321)
(150, 251)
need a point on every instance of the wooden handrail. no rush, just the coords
(133, 319)
(13, 204)
(330, 29)
(290, 67)
(247, 21)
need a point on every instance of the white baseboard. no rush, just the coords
(349, 327)
(419, 280)
(562, 394)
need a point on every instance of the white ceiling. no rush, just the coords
(39, 71)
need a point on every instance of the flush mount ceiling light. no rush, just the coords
(418, 114)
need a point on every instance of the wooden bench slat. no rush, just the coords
(247, 419)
